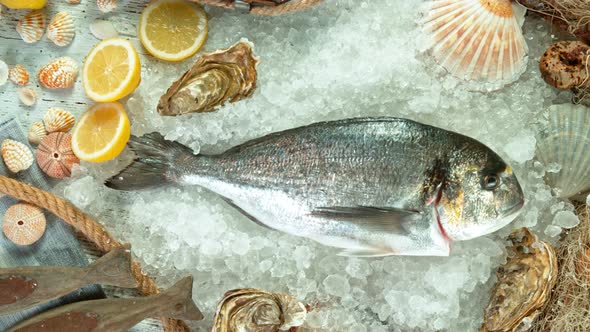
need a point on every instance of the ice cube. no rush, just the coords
(336, 285)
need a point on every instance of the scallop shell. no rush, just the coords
(249, 309)
(31, 26)
(55, 156)
(61, 29)
(37, 133)
(57, 119)
(3, 73)
(19, 75)
(59, 74)
(106, 6)
(102, 29)
(478, 40)
(27, 96)
(224, 75)
(565, 140)
(17, 156)
(23, 224)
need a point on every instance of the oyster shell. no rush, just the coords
(249, 309)
(224, 75)
(524, 284)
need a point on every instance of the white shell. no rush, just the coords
(61, 29)
(478, 41)
(565, 140)
(31, 26)
(57, 119)
(3, 73)
(17, 156)
(27, 96)
(106, 6)
(18, 75)
(102, 29)
(59, 74)
(37, 133)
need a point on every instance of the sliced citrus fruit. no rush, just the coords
(173, 30)
(111, 70)
(101, 132)
(24, 4)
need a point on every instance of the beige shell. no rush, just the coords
(18, 75)
(225, 75)
(27, 96)
(57, 119)
(59, 74)
(37, 133)
(249, 309)
(524, 284)
(106, 6)
(23, 223)
(73, 2)
(61, 29)
(32, 26)
(16, 155)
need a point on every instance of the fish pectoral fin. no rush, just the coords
(365, 252)
(246, 214)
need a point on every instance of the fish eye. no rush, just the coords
(490, 182)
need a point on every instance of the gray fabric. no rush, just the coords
(57, 247)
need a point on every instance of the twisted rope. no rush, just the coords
(90, 228)
(287, 7)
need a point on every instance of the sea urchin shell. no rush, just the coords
(17, 156)
(37, 133)
(59, 74)
(18, 75)
(31, 26)
(61, 29)
(57, 119)
(23, 224)
(55, 156)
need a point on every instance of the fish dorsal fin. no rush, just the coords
(377, 219)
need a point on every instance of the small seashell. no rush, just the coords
(31, 26)
(37, 133)
(61, 29)
(102, 29)
(57, 119)
(55, 156)
(3, 73)
(19, 75)
(23, 223)
(17, 156)
(59, 74)
(27, 96)
(106, 6)
(73, 2)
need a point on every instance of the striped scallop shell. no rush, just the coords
(27, 96)
(478, 41)
(37, 133)
(61, 29)
(31, 26)
(57, 119)
(106, 6)
(59, 74)
(18, 75)
(23, 223)
(55, 156)
(17, 156)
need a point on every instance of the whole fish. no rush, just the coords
(117, 314)
(24, 287)
(368, 186)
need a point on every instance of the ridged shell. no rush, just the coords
(19, 75)
(61, 29)
(249, 309)
(55, 156)
(27, 96)
(31, 26)
(37, 133)
(106, 6)
(565, 140)
(3, 73)
(102, 29)
(224, 75)
(478, 40)
(16, 155)
(59, 74)
(57, 119)
(23, 223)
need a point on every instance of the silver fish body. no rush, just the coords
(369, 186)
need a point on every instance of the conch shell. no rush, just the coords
(224, 75)
(524, 284)
(254, 310)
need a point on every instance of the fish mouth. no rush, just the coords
(514, 209)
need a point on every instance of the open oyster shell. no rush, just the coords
(524, 284)
(224, 75)
(254, 310)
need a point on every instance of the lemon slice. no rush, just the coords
(101, 132)
(111, 70)
(173, 30)
(24, 4)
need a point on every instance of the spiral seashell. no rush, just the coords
(17, 156)
(61, 29)
(31, 26)
(3, 73)
(106, 6)
(23, 224)
(18, 75)
(27, 96)
(59, 74)
(57, 119)
(37, 133)
(55, 156)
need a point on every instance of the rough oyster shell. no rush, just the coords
(61, 30)
(224, 75)
(31, 27)
(17, 156)
(59, 74)
(524, 284)
(249, 309)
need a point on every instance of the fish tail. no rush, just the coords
(182, 293)
(113, 269)
(155, 163)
